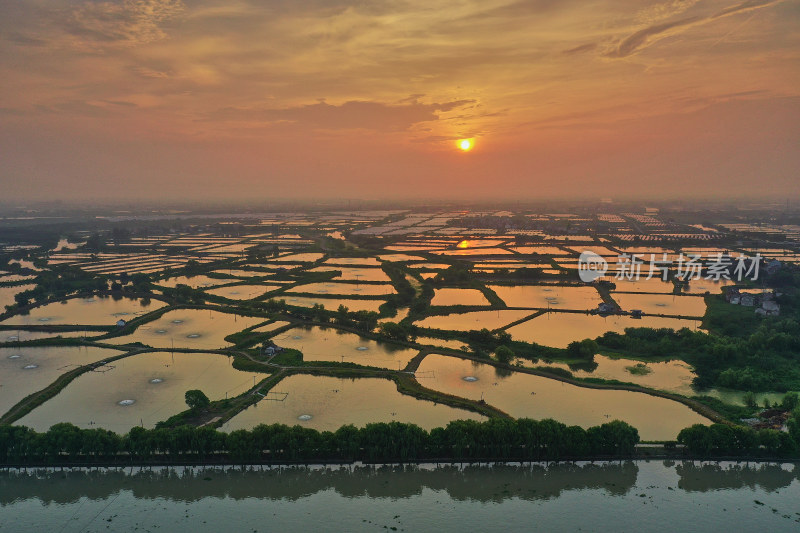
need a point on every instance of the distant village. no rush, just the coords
(763, 300)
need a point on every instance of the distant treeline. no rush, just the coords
(494, 439)
(768, 359)
(740, 441)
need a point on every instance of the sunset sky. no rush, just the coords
(228, 99)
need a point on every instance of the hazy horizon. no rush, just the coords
(211, 101)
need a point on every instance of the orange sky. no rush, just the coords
(216, 99)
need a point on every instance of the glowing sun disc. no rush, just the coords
(465, 144)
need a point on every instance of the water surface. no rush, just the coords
(95, 311)
(24, 371)
(330, 344)
(524, 395)
(141, 389)
(559, 329)
(189, 328)
(333, 402)
(629, 496)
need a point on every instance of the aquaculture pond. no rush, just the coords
(95, 311)
(195, 282)
(544, 296)
(673, 375)
(702, 286)
(354, 273)
(368, 261)
(452, 344)
(524, 395)
(243, 292)
(473, 320)
(330, 344)
(7, 294)
(189, 328)
(458, 297)
(22, 335)
(331, 304)
(327, 403)
(642, 285)
(24, 371)
(662, 304)
(366, 289)
(141, 389)
(559, 329)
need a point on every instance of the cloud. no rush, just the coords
(580, 49)
(355, 114)
(129, 23)
(642, 38)
(650, 34)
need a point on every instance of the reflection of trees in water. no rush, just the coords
(586, 366)
(471, 483)
(502, 372)
(703, 477)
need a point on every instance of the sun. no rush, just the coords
(465, 145)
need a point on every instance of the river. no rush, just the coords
(604, 496)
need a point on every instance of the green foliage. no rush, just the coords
(556, 371)
(584, 349)
(790, 401)
(405, 292)
(721, 440)
(485, 340)
(363, 320)
(504, 354)
(727, 319)
(767, 359)
(288, 357)
(457, 273)
(240, 362)
(494, 439)
(395, 331)
(729, 411)
(184, 294)
(196, 399)
(639, 369)
(59, 282)
(749, 399)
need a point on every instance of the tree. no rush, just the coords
(790, 401)
(196, 399)
(504, 354)
(394, 331)
(584, 349)
(749, 399)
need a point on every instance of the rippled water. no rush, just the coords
(628, 496)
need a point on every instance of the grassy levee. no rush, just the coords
(494, 300)
(407, 384)
(220, 411)
(520, 321)
(247, 338)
